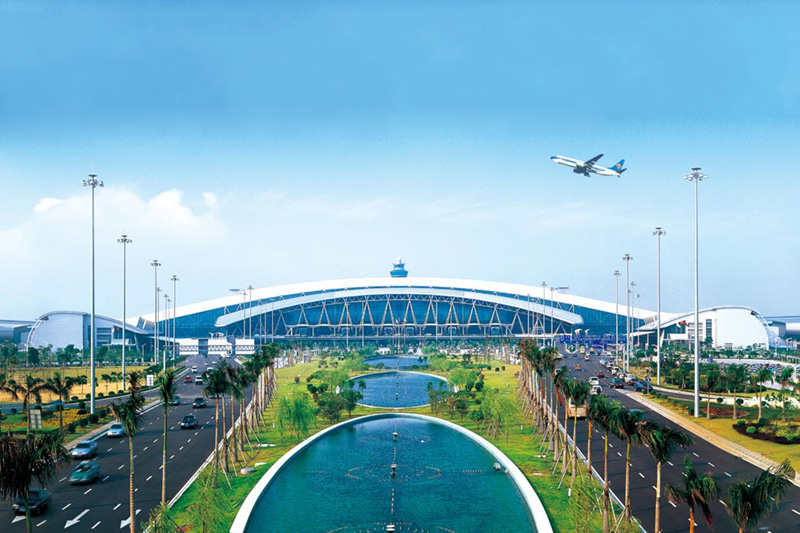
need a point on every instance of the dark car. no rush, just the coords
(38, 500)
(601, 374)
(199, 403)
(640, 386)
(175, 400)
(189, 422)
(617, 383)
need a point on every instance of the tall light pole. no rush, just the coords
(155, 264)
(616, 317)
(542, 314)
(553, 311)
(696, 176)
(626, 356)
(94, 183)
(166, 326)
(125, 241)
(175, 281)
(250, 313)
(658, 233)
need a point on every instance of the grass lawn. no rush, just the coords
(80, 390)
(724, 427)
(521, 447)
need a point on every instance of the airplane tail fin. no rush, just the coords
(618, 166)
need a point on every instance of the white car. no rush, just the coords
(594, 381)
(597, 389)
(194, 368)
(115, 431)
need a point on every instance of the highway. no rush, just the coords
(103, 505)
(704, 455)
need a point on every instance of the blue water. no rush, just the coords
(397, 389)
(397, 362)
(444, 482)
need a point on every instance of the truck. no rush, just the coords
(571, 410)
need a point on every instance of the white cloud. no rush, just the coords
(46, 203)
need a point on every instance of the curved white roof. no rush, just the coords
(397, 285)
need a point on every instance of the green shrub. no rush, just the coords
(94, 419)
(82, 411)
(74, 399)
(83, 422)
(87, 396)
(719, 400)
(741, 422)
(100, 395)
(763, 421)
(112, 393)
(751, 430)
(82, 405)
(72, 427)
(13, 410)
(739, 401)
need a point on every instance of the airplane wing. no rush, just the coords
(593, 160)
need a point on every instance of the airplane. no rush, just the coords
(585, 167)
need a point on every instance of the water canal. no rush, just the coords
(396, 390)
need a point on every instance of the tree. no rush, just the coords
(698, 489)
(579, 392)
(711, 379)
(213, 390)
(762, 375)
(33, 356)
(129, 414)
(167, 387)
(662, 441)
(603, 413)
(736, 376)
(625, 425)
(23, 459)
(351, 398)
(212, 502)
(495, 413)
(785, 378)
(749, 502)
(31, 389)
(159, 521)
(331, 406)
(62, 387)
(7, 386)
(296, 413)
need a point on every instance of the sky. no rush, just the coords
(262, 143)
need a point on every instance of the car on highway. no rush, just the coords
(602, 362)
(198, 380)
(84, 450)
(175, 400)
(630, 379)
(38, 500)
(640, 386)
(617, 383)
(194, 368)
(578, 367)
(189, 422)
(586, 357)
(601, 374)
(187, 379)
(85, 472)
(199, 403)
(594, 381)
(597, 389)
(116, 431)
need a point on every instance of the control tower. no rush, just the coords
(399, 269)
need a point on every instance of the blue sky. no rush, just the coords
(264, 143)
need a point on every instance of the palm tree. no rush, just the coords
(749, 502)
(62, 387)
(23, 459)
(762, 375)
(566, 391)
(7, 386)
(711, 380)
(549, 360)
(625, 425)
(579, 392)
(167, 386)
(31, 388)
(558, 380)
(129, 414)
(736, 375)
(214, 389)
(785, 377)
(604, 412)
(662, 441)
(698, 489)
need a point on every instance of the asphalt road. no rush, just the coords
(103, 505)
(704, 455)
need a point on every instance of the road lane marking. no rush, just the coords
(727, 474)
(105, 478)
(62, 480)
(145, 448)
(116, 507)
(670, 463)
(195, 434)
(149, 478)
(171, 457)
(87, 492)
(695, 454)
(723, 503)
(40, 523)
(796, 512)
(121, 467)
(654, 488)
(17, 519)
(619, 454)
(97, 524)
(641, 475)
(190, 440)
(108, 450)
(610, 445)
(712, 464)
(65, 507)
(180, 449)
(155, 441)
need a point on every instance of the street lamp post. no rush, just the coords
(250, 312)
(616, 318)
(542, 314)
(92, 182)
(626, 356)
(166, 326)
(155, 264)
(175, 281)
(696, 176)
(658, 233)
(125, 241)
